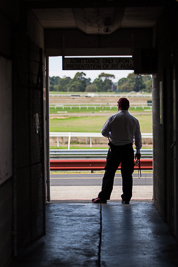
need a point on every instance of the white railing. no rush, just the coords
(137, 105)
(89, 135)
(100, 95)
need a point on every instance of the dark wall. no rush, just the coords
(6, 180)
(29, 189)
(165, 176)
(6, 222)
(22, 190)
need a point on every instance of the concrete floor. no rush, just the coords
(112, 234)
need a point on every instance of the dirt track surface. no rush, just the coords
(60, 100)
(87, 114)
(95, 100)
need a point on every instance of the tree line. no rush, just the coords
(103, 83)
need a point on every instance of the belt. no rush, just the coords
(124, 146)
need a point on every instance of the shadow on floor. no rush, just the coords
(112, 234)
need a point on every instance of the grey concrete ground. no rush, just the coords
(86, 193)
(102, 235)
(83, 187)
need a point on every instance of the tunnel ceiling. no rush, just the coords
(98, 20)
(96, 16)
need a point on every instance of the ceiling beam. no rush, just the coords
(74, 42)
(96, 3)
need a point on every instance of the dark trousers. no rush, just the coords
(116, 155)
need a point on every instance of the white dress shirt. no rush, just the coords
(122, 128)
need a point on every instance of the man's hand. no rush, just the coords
(137, 156)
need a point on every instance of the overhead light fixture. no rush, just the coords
(107, 24)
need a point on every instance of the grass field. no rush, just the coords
(82, 119)
(53, 110)
(93, 124)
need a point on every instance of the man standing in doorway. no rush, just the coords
(120, 128)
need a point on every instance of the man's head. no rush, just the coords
(123, 103)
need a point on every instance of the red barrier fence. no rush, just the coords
(91, 164)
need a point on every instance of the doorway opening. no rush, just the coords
(79, 104)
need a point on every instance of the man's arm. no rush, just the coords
(138, 141)
(106, 129)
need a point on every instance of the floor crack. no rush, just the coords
(100, 238)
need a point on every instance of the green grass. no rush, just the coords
(93, 124)
(77, 124)
(53, 110)
(145, 123)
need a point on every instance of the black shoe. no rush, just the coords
(123, 200)
(99, 200)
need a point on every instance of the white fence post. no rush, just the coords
(69, 141)
(89, 135)
(90, 142)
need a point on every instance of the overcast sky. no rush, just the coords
(55, 69)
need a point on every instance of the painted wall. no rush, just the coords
(165, 115)
(30, 59)
(5, 119)
(28, 136)
(5, 137)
